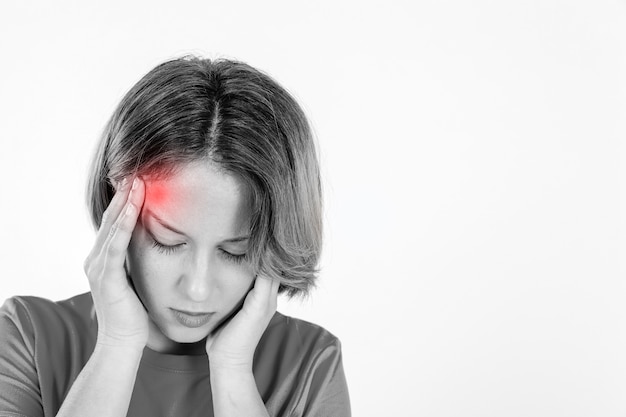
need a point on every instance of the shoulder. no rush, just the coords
(297, 342)
(45, 345)
(298, 367)
(38, 310)
(46, 320)
(33, 303)
(300, 332)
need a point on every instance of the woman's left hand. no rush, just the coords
(232, 346)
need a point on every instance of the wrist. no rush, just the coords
(223, 367)
(121, 346)
(235, 393)
(121, 357)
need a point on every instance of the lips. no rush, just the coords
(193, 313)
(191, 319)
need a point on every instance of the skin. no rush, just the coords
(195, 271)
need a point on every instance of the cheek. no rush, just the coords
(147, 269)
(235, 284)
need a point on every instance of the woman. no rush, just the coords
(206, 195)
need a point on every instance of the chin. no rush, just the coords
(177, 333)
(185, 335)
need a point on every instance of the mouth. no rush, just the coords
(191, 319)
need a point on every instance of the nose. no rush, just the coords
(198, 278)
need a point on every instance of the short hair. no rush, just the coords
(223, 111)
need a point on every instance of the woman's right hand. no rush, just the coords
(122, 319)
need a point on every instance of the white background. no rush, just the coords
(473, 159)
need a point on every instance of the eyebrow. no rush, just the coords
(173, 229)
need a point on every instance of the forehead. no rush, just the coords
(200, 196)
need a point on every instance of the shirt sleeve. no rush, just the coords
(328, 390)
(19, 386)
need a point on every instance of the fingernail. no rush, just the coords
(135, 183)
(122, 183)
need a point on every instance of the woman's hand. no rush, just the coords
(232, 346)
(122, 319)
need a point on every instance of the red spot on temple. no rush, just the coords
(156, 194)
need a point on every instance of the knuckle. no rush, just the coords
(113, 251)
(92, 271)
(106, 217)
(113, 230)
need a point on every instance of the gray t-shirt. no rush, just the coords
(44, 345)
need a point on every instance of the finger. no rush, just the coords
(121, 231)
(262, 285)
(275, 287)
(274, 293)
(117, 202)
(112, 212)
(267, 289)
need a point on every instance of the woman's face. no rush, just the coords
(186, 255)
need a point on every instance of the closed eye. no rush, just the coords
(232, 257)
(169, 249)
(166, 249)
